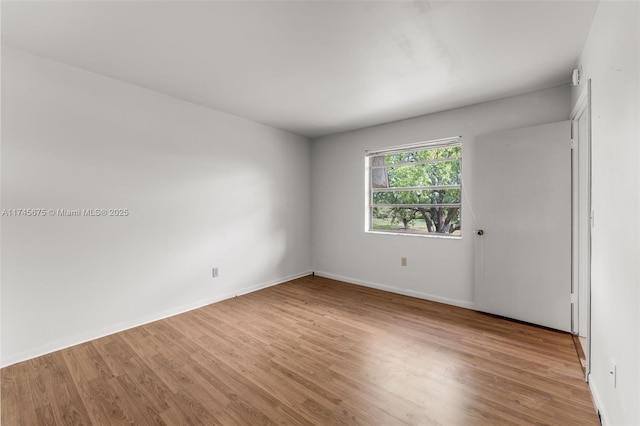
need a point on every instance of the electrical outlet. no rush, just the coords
(214, 272)
(403, 261)
(613, 372)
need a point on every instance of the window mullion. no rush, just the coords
(417, 188)
(417, 163)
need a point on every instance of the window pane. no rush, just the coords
(444, 152)
(435, 174)
(440, 220)
(439, 196)
(425, 154)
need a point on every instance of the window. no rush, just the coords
(416, 189)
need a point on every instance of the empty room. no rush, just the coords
(320, 212)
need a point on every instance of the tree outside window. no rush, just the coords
(416, 190)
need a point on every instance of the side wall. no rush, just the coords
(438, 269)
(611, 60)
(203, 189)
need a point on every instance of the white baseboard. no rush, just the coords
(59, 344)
(604, 420)
(397, 290)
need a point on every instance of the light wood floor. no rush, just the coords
(311, 351)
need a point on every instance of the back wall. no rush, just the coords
(437, 268)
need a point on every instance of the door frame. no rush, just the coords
(582, 178)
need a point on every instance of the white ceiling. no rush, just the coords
(313, 67)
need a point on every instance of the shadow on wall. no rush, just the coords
(185, 215)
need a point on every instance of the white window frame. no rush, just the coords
(369, 190)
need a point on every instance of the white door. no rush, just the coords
(522, 193)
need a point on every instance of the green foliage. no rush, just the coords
(417, 178)
(417, 196)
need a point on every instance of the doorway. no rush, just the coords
(582, 219)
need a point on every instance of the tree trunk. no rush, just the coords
(452, 213)
(427, 219)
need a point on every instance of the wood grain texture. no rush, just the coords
(310, 351)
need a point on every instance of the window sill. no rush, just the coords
(437, 236)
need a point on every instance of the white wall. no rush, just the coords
(203, 189)
(438, 269)
(611, 60)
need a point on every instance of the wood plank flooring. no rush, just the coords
(310, 351)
